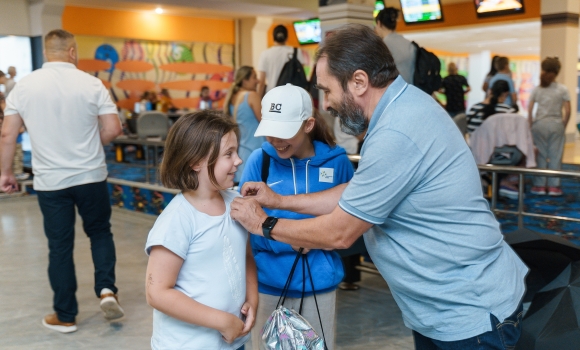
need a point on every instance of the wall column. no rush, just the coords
(559, 37)
(260, 38)
(336, 15)
(478, 67)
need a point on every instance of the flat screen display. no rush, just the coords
(421, 11)
(379, 5)
(308, 31)
(486, 8)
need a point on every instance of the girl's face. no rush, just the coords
(298, 146)
(251, 83)
(225, 166)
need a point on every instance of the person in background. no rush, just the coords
(201, 275)
(273, 60)
(243, 105)
(69, 170)
(205, 100)
(3, 80)
(403, 51)
(478, 113)
(454, 86)
(492, 72)
(494, 103)
(300, 150)
(10, 83)
(166, 101)
(549, 125)
(504, 73)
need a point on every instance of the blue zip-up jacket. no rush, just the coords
(329, 167)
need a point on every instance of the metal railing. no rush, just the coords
(495, 169)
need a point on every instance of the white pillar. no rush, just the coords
(478, 67)
(559, 37)
(260, 37)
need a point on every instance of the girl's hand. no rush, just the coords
(232, 329)
(249, 311)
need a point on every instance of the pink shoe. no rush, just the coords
(538, 190)
(554, 191)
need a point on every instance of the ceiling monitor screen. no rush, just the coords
(487, 8)
(421, 11)
(379, 5)
(308, 31)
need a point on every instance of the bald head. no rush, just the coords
(60, 46)
(12, 71)
(452, 68)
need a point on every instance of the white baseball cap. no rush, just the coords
(284, 109)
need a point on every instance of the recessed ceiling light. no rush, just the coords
(159, 10)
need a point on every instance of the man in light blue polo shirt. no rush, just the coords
(417, 192)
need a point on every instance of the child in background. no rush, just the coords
(548, 128)
(201, 275)
(303, 159)
(17, 165)
(205, 100)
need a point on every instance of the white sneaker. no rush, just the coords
(22, 176)
(110, 305)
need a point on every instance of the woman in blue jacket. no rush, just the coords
(303, 158)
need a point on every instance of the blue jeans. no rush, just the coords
(503, 336)
(58, 211)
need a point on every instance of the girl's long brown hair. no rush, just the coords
(243, 73)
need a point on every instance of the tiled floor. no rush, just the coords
(367, 318)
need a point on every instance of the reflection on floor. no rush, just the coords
(367, 318)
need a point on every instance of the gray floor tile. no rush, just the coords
(367, 318)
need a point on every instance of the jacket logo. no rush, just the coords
(326, 175)
(276, 107)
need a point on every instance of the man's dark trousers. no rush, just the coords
(58, 210)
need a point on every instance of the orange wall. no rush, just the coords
(146, 25)
(463, 14)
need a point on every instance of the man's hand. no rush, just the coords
(8, 183)
(232, 330)
(262, 193)
(249, 213)
(249, 311)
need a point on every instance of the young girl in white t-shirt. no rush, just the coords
(201, 276)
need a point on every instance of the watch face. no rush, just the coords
(269, 222)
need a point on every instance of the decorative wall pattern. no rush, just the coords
(130, 67)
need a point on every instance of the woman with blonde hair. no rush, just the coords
(244, 105)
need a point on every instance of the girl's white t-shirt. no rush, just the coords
(213, 273)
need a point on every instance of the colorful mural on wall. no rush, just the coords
(129, 67)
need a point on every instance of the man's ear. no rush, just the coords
(359, 82)
(309, 125)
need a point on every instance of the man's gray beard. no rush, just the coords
(352, 118)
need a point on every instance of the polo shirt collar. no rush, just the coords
(389, 96)
(58, 65)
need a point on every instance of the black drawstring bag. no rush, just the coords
(286, 329)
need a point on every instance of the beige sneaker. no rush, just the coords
(52, 322)
(110, 305)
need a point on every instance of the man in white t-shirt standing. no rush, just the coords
(273, 60)
(62, 107)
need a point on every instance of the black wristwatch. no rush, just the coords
(268, 225)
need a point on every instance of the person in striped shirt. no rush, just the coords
(493, 104)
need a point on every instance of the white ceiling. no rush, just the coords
(212, 8)
(510, 39)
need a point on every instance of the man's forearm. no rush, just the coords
(316, 204)
(7, 150)
(108, 135)
(337, 230)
